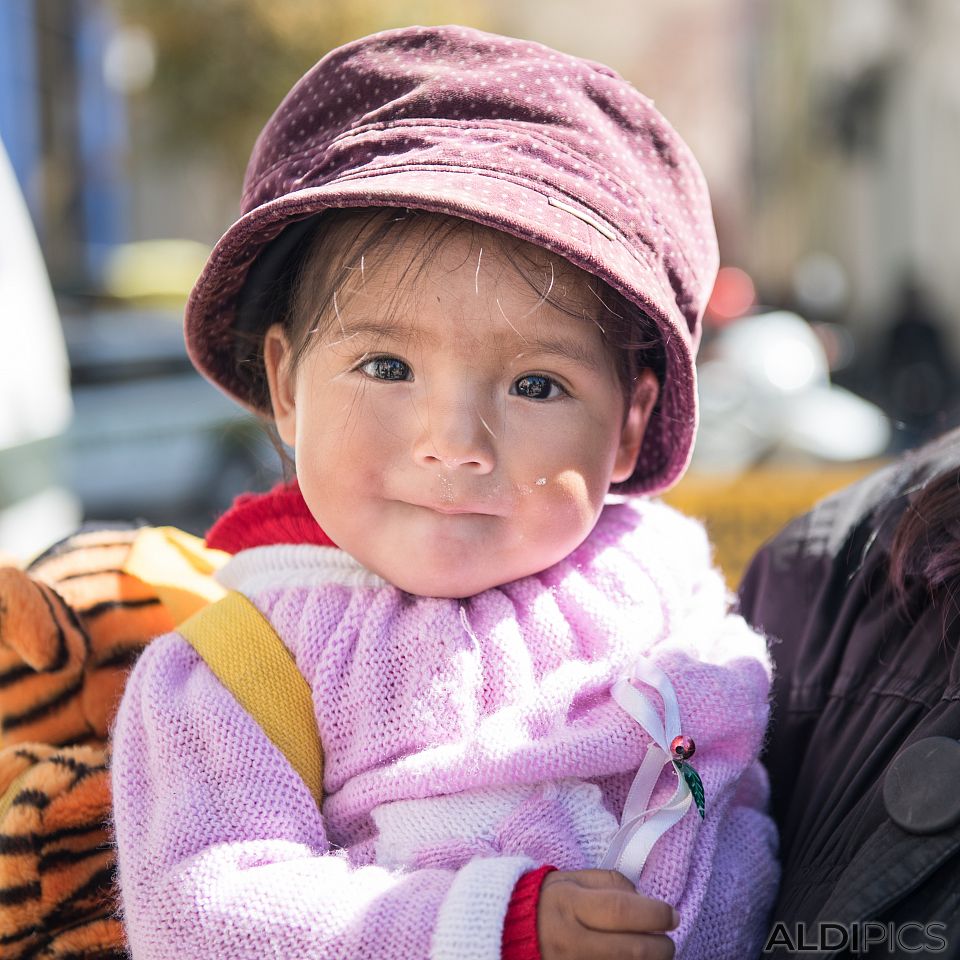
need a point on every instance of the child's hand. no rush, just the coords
(584, 914)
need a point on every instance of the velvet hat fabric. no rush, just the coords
(553, 149)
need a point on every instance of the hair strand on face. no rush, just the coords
(512, 327)
(487, 426)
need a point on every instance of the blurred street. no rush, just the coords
(829, 131)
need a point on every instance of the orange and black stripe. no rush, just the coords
(57, 892)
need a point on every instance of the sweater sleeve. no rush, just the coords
(222, 852)
(521, 939)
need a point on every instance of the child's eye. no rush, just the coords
(385, 368)
(535, 386)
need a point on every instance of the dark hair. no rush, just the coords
(301, 294)
(926, 544)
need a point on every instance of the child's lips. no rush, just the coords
(457, 508)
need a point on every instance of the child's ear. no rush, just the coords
(277, 357)
(645, 395)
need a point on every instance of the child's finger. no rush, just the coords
(648, 946)
(623, 912)
(595, 879)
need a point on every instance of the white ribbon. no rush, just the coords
(642, 827)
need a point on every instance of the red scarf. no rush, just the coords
(263, 519)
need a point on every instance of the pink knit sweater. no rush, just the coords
(466, 742)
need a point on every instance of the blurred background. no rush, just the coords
(829, 131)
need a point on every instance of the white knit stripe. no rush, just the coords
(470, 922)
(294, 565)
(407, 829)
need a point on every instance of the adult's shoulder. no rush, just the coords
(861, 671)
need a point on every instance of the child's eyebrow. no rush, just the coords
(568, 350)
(562, 347)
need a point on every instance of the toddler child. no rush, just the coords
(466, 287)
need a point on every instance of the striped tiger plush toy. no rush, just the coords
(71, 626)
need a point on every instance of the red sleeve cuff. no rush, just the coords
(520, 940)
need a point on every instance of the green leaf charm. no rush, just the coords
(694, 783)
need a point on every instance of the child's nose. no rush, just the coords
(456, 435)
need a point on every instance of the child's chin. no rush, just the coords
(446, 591)
(454, 582)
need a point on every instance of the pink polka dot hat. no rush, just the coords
(555, 150)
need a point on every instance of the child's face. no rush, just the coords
(453, 451)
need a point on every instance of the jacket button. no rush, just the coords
(920, 786)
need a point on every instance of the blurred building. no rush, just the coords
(852, 194)
(828, 130)
(149, 439)
(65, 130)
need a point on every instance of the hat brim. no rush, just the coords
(561, 225)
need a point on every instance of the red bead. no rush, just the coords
(682, 748)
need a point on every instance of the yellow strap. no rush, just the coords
(252, 662)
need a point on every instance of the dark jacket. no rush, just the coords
(859, 678)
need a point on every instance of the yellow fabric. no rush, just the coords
(743, 510)
(179, 567)
(252, 662)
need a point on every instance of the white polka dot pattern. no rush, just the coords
(550, 148)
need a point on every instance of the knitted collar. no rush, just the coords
(263, 519)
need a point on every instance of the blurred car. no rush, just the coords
(36, 507)
(766, 393)
(775, 436)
